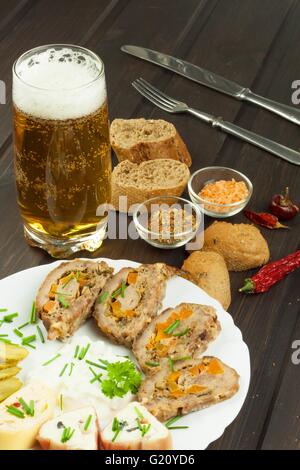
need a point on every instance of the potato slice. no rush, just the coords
(9, 372)
(12, 353)
(8, 387)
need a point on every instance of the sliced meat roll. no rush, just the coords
(129, 301)
(196, 385)
(67, 295)
(178, 333)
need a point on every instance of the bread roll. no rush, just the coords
(210, 272)
(241, 245)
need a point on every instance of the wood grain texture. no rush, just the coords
(254, 42)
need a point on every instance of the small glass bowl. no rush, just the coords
(209, 175)
(147, 226)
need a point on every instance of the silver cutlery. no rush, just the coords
(212, 80)
(171, 105)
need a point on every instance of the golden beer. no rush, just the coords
(62, 151)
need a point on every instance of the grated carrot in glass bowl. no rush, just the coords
(220, 191)
(224, 192)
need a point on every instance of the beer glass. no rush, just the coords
(61, 147)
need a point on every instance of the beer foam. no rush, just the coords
(59, 84)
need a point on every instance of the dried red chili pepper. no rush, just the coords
(271, 273)
(264, 219)
(283, 207)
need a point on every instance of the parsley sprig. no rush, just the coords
(122, 377)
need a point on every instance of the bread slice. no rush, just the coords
(82, 425)
(142, 139)
(194, 385)
(162, 177)
(134, 428)
(129, 301)
(197, 326)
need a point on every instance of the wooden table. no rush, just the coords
(254, 42)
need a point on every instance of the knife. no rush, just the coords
(212, 80)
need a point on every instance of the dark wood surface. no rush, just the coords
(254, 42)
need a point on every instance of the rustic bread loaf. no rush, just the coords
(142, 139)
(149, 179)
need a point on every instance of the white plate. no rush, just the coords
(18, 291)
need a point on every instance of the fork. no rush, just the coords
(171, 105)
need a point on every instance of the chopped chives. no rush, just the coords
(40, 334)
(29, 409)
(3, 310)
(91, 363)
(115, 428)
(28, 339)
(183, 358)
(18, 333)
(96, 378)
(152, 364)
(29, 345)
(2, 336)
(61, 402)
(67, 434)
(88, 422)
(119, 291)
(51, 360)
(62, 301)
(102, 297)
(83, 351)
(9, 318)
(63, 370)
(67, 282)
(71, 368)
(5, 340)
(15, 411)
(173, 420)
(171, 363)
(172, 327)
(76, 351)
(138, 412)
(23, 326)
(33, 313)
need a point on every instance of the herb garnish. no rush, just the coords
(23, 326)
(115, 428)
(33, 313)
(88, 422)
(91, 363)
(152, 364)
(71, 368)
(28, 409)
(28, 340)
(63, 369)
(40, 333)
(83, 351)
(122, 377)
(169, 330)
(51, 360)
(76, 351)
(97, 377)
(62, 300)
(5, 340)
(171, 421)
(120, 291)
(18, 333)
(3, 310)
(67, 434)
(15, 411)
(61, 402)
(9, 318)
(102, 297)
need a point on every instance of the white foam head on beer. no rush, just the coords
(59, 84)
